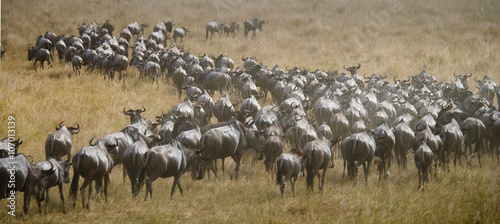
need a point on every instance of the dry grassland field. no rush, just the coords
(392, 37)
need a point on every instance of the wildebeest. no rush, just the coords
(38, 54)
(453, 140)
(474, 133)
(135, 28)
(287, 165)
(229, 140)
(212, 27)
(231, 28)
(252, 25)
(384, 139)
(134, 159)
(60, 176)
(18, 174)
(180, 32)
(9, 146)
(316, 156)
(59, 143)
(77, 63)
(93, 163)
(164, 161)
(273, 147)
(164, 27)
(423, 162)
(118, 63)
(358, 147)
(404, 137)
(224, 109)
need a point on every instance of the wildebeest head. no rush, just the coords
(72, 130)
(41, 181)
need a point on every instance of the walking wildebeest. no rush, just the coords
(59, 143)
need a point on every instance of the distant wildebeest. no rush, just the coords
(212, 27)
(135, 28)
(164, 27)
(231, 28)
(287, 165)
(59, 143)
(27, 179)
(93, 163)
(180, 32)
(38, 54)
(404, 137)
(60, 176)
(273, 147)
(252, 25)
(474, 133)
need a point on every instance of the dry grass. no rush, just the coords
(398, 38)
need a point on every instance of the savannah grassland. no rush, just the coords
(397, 38)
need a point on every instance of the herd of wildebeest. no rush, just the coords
(312, 117)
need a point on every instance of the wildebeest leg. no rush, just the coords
(86, 183)
(27, 198)
(293, 180)
(343, 172)
(322, 181)
(46, 199)
(124, 174)
(223, 159)
(34, 65)
(237, 159)
(106, 182)
(60, 195)
(176, 182)
(420, 178)
(149, 185)
(90, 193)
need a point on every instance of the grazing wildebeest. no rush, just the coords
(180, 32)
(287, 165)
(164, 161)
(27, 179)
(7, 146)
(93, 163)
(59, 143)
(316, 156)
(38, 54)
(212, 27)
(358, 147)
(60, 176)
(423, 161)
(252, 25)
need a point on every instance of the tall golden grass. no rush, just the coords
(398, 38)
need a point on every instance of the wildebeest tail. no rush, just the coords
(76, 176)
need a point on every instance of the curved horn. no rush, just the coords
(455, 75)
(61, 124)
(359, 66)
(243, 58)
(77, 126)
(90, 142)
(124, 112)
(142, 111)
(475, 79)
(470, 74)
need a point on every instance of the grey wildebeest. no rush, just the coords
(453, 140)
(423, 161)
(60, 176)
(358, 147)
(180, 32)
(287, 165)
(135, 28)
(59, 143)
(212, 27)
(385, 140)
(18, 174)
(273, 147)
(118, 63)
(474, 133)
(252, 25)
(134, 159)
(38, 54)
(228, 140)
(93, 163)
(404, 137)
(316, 156)
(9, 146)
(231, 28)
(164, 161)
